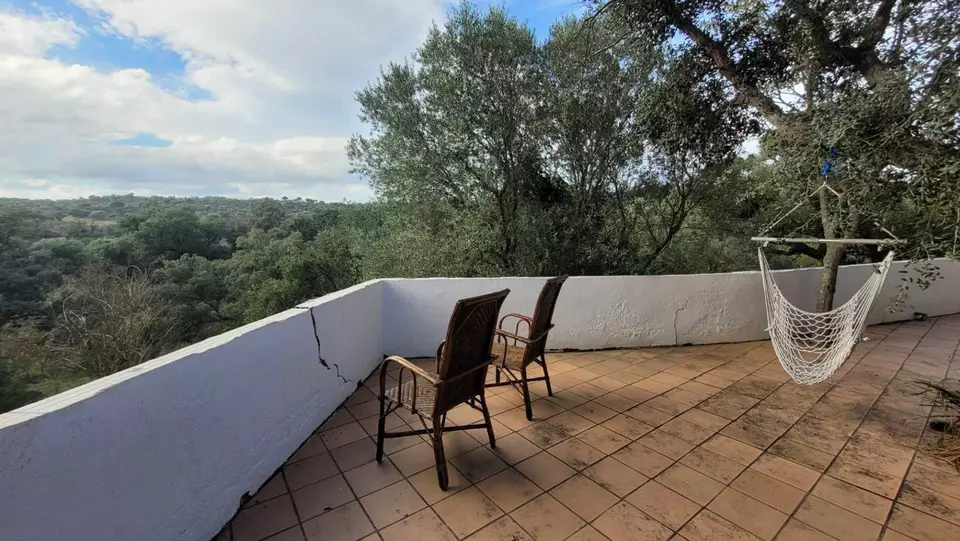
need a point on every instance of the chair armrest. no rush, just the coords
(407, 365)
(528, 319)
(520, 318)
(515, 337)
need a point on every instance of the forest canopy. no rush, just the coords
(642, 137)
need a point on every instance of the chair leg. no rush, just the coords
(486, 419)
(438, 455)
(497, 373)
(381, 429)
(526, 392)
(543, 363)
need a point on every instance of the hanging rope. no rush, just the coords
(812, 346)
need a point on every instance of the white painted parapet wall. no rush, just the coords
(165, 450)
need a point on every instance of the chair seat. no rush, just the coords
(402, 394)
(514, 357)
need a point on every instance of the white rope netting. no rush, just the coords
(811, 346)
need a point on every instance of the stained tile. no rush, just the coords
(808, 456)
(852, 498)
(571, 422)
(865, 477)
(708, 526)
(795, 530)
(750, 432)
(634, 394)
(608, 383)
(545, 409)
(667, 405)
(770, 491)
(748, 513)
(690, 483)
(836, 521)
(372, 477)
(704, 419)
(594, 411)
(604, 439)
(505, 528)
(309, 470)
(666, 444)
(730, 448)
(393, 503)
(515, 419)
(943, 481)
(584, 497)
(649, 415)
(643, 459)
(663, 504)
(342, 435)
(414, 459)
(616, 402)
(422, 526)
(345, 523)
(290, 534)
(545, 434)
(355, 454)
(478, 464)
(321, 497)
(727, 404)
(684, 397)
(588, 533)
(467, 511)
(687, 431)
(575, 453)
(787, 471)
(259, 521)
(712, 465)
(615, 476)
(588, 391)
(624, 522)
(628, 427)
(394, 445)
(509, 489)
(427, 484)
(546, 470)
(928, 501)
(338, 418)
(547, 519)
(654, 386)
(921, 526)
(515, 448)
(457, 443)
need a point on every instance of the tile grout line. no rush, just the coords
(903, 480)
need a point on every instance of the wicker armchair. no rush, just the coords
(461, 369)
(513, 360)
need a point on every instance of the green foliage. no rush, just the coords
(875, 80)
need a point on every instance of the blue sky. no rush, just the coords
(200, 97)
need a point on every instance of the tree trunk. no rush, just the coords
(831, 259)
(828, 280)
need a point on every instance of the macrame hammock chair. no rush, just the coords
(811, 346)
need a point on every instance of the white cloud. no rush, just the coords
(34, 35)
(281, 76)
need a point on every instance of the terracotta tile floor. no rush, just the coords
(689, 443)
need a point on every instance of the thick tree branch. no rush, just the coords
(747, 92)
(878, 25)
